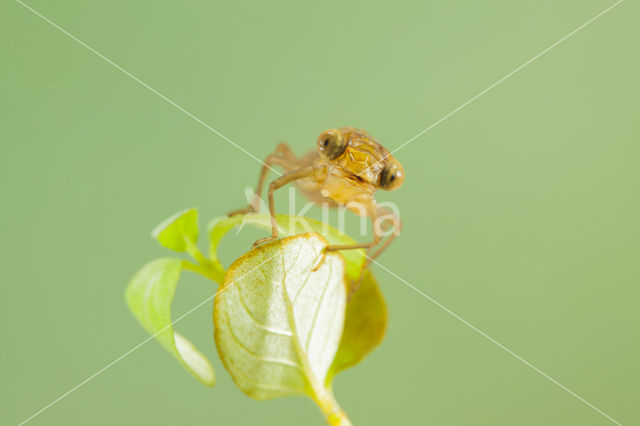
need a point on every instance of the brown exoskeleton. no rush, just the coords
(346, 169)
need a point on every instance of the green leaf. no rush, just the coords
(149, 296)
(287, 226)
(178, 232)
(278, 319)
(364, 326)
(218, 228)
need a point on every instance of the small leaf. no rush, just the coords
(149, 296)
(278, 321)
(287, 226)
(178, 231)
(365, 325)
(218, 228)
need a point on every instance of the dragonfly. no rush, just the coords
(345, 170)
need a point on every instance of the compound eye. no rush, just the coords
(391, 176)
(331, 144)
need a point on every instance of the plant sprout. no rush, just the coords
(283, 324)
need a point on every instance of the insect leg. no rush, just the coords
(373, 212)
(278, 183)
(394, 224)
(376, 237)
(283, 157)
(285, 152)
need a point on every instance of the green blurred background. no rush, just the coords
(520, 211)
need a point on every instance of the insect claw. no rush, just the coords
(264, 240)
(319, 262)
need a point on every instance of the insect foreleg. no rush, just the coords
(278, 183)
(283, 157)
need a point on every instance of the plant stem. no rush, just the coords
(195, 252)
(334, 415)
(205, 266)
(203, 270)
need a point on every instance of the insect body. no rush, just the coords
(346, 169)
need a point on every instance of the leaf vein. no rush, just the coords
(255, 320)
(256, 355)
(302, 286)
(320, 303)
(288, 390)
